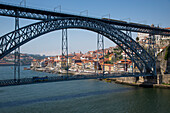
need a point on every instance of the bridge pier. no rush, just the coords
(152, 50)
(17, 52)
(64, 63)
(154, 54)
(100, 46)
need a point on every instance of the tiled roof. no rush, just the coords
(108, 64)
(111, 55)
(101, 57)
(167, 28)
(164, 47)
(106, 59)
(80, 64)
(122, 60)
(76, 58)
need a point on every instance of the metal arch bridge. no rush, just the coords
(112, 29)
(11, 41)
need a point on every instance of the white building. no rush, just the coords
(142, 36)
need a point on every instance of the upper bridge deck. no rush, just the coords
(38, 14)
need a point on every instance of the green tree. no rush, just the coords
(106, 56)
(167, 53)
(121, 57)
(137, 39)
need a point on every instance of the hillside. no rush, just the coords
(163, 65)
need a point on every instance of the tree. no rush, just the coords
(137, 39)
(167, 53)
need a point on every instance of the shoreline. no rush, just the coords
(13, 65)
(144, 85)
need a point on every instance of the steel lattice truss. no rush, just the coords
(37, 14)
(100, 46)
(10, 41)
(64, 49)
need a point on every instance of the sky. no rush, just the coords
(149, 12)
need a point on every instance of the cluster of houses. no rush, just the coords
(160, 42)
(92, 61)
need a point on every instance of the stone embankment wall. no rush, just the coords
(163, 66)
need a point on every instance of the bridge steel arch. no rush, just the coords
(14, 39)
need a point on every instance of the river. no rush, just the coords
(79, 96)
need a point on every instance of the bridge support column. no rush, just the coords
(125, 64)
(64, 63)
(132, 64)
(17, 53)
(100, 46)
(152, 51)
(154, 54)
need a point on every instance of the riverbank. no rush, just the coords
(132, 81)
(59, 71)
(13, 65)
(145, 85)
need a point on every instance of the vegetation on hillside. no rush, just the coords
(167, 53)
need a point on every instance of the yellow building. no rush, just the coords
(111, 56)
(108, 67)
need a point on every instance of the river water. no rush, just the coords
(79, 96)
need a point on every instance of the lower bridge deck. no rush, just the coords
(33, 80)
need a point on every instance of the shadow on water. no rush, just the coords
(1, 91)
(64, 97)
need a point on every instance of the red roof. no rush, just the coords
(76, 58)
(52, 57)
(111, 55)
(167, 28)
(80, 64)
(106, 59)
(163, 47)
(108, 64)
(125, 62)
(101, 57)
(122, 60)
(85, 61)
(90, 60)
(70, 55)
(57, 60)
(128, 60)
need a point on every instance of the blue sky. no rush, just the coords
(141, 11)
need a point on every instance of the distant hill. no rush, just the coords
(25, 59)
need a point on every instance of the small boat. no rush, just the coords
(99, 78)
(25, 68)
(108, 80)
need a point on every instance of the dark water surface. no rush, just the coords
(80, 96)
